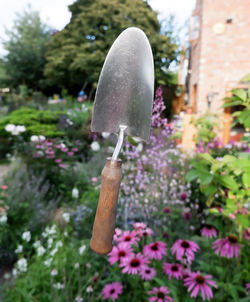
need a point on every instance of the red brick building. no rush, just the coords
(219, 51)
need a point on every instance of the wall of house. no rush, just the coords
(220, 56)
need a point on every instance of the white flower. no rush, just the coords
(77, 265)
(53, 252)
(59, 244)
(19, 249)
(88, 265)
(22, 265)
(20, 129)
(139, 148)
(95, 146)
(66, 217)
(36, 244)
(105, 134)
(54, 272)
(75, 193)
(26, 236)
(110, 149)
(79, 299)
(89, 289)
(41, 251)
(10, 127)
(3, 219)
(50, 241)
(34, 138)
(58, 285)
(48, 262)
(42, 138)
(14, 272)
(65, 234)
(82, 249)
(6, 276)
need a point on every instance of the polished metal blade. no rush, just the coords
(125, 89)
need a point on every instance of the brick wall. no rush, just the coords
(220, 56)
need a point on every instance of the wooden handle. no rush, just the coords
(104, 224)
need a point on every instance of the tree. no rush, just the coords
(26, 47)
(76, 54)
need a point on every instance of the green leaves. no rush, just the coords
(228, 182)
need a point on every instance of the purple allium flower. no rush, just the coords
(160, 294)
(187, 216)
(209, 231)
(155, 250)
(227, 247)
(173, 270)
(166, 210)
(196, 283)
(184, 250)
(112, 291)
(183, 196)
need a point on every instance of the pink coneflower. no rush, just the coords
(94, 179)
(160, 294)
(112, 291)
(208, 231)
(173, 270)
(155, 250)
(199, 283)
(133, 264)
(4, 187)
(139, 225)
(227, 247)
(184, 250)
(247, 233)
(147, 273)
(122, 250)
(166, 210)
(145, 233)
(129, 237)
(70, 153)
(59, 160)
(65, 149)
(187, 216)
(75, 149)
(117, 234)
(248, 288)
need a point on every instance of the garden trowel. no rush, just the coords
(123, 105)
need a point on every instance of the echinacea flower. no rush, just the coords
(146, 232)
(122, 250)
(161, 294)
(112, 291)
(208, 231)
(147, 273)
(200, 283)
(173, 270)
(129, 237)
(155, 250)
(184, 250)
(183, 196)
(117, 234)
(133, 264)
(139, 225)
(248, 288)
(247, 233)
(227, 247)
